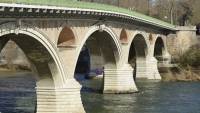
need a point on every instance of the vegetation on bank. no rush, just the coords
(180, 74)
(188, 68)
(191, 58)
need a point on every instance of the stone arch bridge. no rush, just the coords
(53, 36)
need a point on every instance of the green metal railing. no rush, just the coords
(87, 5)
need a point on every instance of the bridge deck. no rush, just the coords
(95, 6)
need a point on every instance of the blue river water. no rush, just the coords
(17, 95)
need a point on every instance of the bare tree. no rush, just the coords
(174, 11)
(195, 19)
(171, 10)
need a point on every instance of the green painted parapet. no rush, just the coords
(93, 6)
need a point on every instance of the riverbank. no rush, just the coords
(19, 70)
(180, 74)
(187, 68)
(14, 67)
(5, 73)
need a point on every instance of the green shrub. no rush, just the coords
(191, 57)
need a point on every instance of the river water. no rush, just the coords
(17, 95)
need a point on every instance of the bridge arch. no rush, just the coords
(112, 35)
(30, 36)
(160, 48)
(123, 36)
(67, 37)
(160, 52)
(144, 36)
(104, 49)
(138, 50)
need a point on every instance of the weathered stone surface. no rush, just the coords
(54, 59)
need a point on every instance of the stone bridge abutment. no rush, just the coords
(64, 43)
(61, 42)
(123, 54)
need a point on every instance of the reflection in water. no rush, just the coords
(154, 97)
(17, 95)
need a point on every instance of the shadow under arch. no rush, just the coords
(159, 49)
(66, 37)
(159, 52)
(113, 36)
(17, 86)
(39, 51)
(99, 52)
(137, 56)
(123, 36)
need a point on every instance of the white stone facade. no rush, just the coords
(58, 91)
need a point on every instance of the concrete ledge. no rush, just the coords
(186, 28)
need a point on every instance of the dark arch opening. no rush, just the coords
(20, 95)
(123, 36)
(159, 49)
(66, 37)
(137, 56)
(83, 64)
(98, 52)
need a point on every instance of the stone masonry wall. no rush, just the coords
(180, 42)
